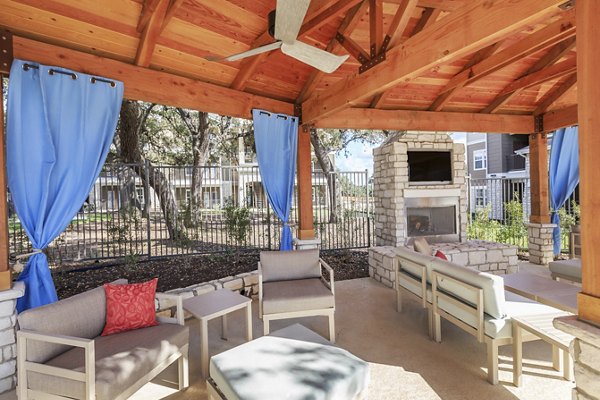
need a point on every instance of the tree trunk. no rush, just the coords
(130, 126)
(327, 168)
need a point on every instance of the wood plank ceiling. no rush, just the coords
(501, 57)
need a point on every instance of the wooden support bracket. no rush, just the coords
(6, 51)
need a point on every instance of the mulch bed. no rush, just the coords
(181, 271)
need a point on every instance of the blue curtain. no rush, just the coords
(276, 138)
(59, 130)
(564, 174)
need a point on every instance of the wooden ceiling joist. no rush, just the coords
(375, 26)
(326, 16)
(175, 5)
(248, 65)
(149, 85)
(555, 94)
(350, 21)
(554, 33)
(366, 118)
(150, 34)
(399, 23)
(464, 31)
(428, 17)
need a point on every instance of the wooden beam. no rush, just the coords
(554, 33)
(551, 73)
(150, 85)
(562, 118)
(444, 5)
(369, 118)
(152, 30)
(588, 98)
(148, 10)
(538, 172)
(326, 16)
(375, 26)
(445, 96)
(555, 94)
(353, 48)
(346, 27)
(535, 73)
(175, 5)
(444, 41)
(304, 180)
(248, 65)
(5, 275)
(398, 25)
(428, 17)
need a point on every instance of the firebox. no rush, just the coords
(433, 217)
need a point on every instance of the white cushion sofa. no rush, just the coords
(61, 354)
(566, 269)
(472, 300)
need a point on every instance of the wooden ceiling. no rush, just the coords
(462, 64)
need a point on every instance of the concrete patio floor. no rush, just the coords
(405, 364)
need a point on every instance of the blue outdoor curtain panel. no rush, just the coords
(59, 130)
(276, 138)
(564, 174)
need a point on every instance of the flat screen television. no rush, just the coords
(430, 166)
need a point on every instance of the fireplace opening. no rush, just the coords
(431, 221)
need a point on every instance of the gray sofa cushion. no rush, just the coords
(297, 295)
(571, 268)
(121, 360)
(82, 315)
(285, 265)
(293, 363)
(492, 285)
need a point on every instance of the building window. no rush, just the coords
(140, 195)
(479, 160)
(480, 200)
(188, 196)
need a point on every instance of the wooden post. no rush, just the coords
(305, 209)
(588, 98)
(538, 170)
(5, 274)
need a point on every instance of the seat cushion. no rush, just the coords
(297, 295)
(293, 363)
(284, 265)
(82, 315)
(570, 267)
(121, 360)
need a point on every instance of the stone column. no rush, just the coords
(8, 342)
(586, 352)
(540, 243)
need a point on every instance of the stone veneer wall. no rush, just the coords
(390, 180)
(540, 246)
(494, 258)
(8, 340)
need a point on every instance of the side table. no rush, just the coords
(541, 326)
(212, 305)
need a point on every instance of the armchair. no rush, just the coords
(291, 285)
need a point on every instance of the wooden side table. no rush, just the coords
(212, 305)
(541, 326)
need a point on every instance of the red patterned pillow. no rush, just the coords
(129, 306)
(441, 255)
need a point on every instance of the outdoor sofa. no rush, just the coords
(61, 354)
(472, 300)
(566, 269)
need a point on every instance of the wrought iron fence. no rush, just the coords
(143, 212)
(499, 209)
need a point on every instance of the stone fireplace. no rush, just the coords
(420, 189)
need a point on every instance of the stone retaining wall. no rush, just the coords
(494, 258)
(8, 342)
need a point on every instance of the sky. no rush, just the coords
(360, 155)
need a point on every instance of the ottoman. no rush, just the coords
(291, 363)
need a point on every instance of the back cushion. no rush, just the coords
(288, 265)
(82, 315)
(492, 285)
(411, 261)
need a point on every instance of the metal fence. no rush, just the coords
(143, 212)
(499, 209)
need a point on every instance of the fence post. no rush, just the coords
(368, 213)
(146, 167)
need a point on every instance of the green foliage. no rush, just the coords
(514, 226)
(481, 226)
(237, 225)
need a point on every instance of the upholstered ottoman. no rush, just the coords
(291, 363)
(566, 269)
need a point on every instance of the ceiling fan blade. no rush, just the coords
(310, 55)
(249, 53)
(289, 16)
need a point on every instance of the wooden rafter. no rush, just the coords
(535, 75)
(542, 39)
(248, 65)
(555, 94)
(346, 27)
(445, 97)
(353, 48)
(150, 34)
(148, 10)
(444, 41)
(149, 85)
(444, 5)
(175, 5)
(375, 26)
(367, 118)
(326, 16)
(399, 23)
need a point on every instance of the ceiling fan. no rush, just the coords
(284, 24)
